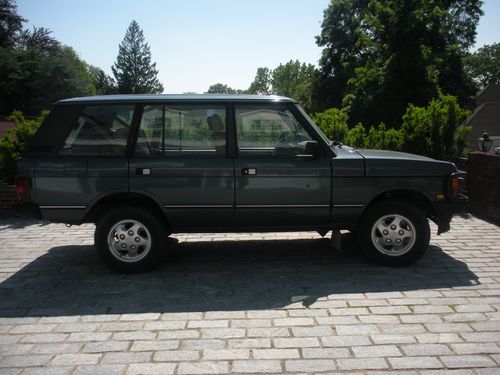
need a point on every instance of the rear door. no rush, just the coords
(277, 182)
(180, 160)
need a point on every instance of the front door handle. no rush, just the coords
(248, 171)
(143, 171)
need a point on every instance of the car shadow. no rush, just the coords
(8, 221)
(216, 276)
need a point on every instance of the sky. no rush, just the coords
(197, 43)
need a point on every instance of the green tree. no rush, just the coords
(103, 83)
(261, 84)
(15, 142)
(483, 66)
(33, 79)
(380, 55)
(39, 38)
(220, 88)
(294, 80)
(133, 70)
(345, 48)
(11, 24)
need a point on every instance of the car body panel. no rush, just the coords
(189, 188)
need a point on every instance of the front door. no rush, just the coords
(180, 161)
(277, 183)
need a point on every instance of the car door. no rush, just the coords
(180, 160)
(277, 182)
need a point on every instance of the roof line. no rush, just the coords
(176, 97)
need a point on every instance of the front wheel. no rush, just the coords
(394, 233)
(130, 239)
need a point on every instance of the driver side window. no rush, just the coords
(269, 131)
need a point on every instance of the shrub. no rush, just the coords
(437, 130)
(356, 136)
(333, 122)
(15, 142)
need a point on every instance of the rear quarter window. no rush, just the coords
(99, 130)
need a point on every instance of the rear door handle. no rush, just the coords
(248, 171)
(143, 171)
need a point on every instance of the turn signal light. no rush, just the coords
(454, 185)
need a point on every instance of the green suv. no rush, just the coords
(142, 167)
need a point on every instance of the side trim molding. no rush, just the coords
(198, 206)
(282, 206)
(63, 207)
(247, 206)
(348, 205)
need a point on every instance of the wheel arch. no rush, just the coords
(109, 201)
(415, 197)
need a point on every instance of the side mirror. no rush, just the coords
(312, 148)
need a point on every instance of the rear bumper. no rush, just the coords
(27, 210)
(445, 211)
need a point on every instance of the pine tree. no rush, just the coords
(134, 73)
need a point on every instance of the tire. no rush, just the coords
(130, 239)
(394, 233)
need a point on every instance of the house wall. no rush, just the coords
(486, 117)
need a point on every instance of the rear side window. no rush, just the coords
(182, 129)
(100, 131)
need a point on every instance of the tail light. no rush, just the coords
(23, 189)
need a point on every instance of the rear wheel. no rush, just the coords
(130, 239)
(394, 233)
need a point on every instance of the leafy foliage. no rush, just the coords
(356, 136)
(220, 88)
(262, 83)
(11, 24)
(39, 38)
(333, 122)
(35, 69)
(437, 130)
(380, 55)
(103, 84)
(32, 78)
(483, 66)
(293, 79)
(133, 70)
(15, 141)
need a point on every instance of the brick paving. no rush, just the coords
(248, 303)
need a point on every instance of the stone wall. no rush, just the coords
(483, 183)
(7, 198)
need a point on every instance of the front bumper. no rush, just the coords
(446, 209)
(27, 210)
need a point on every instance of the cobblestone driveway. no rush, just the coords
(250, 303)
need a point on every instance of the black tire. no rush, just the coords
(412, 220)
(151, 229)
